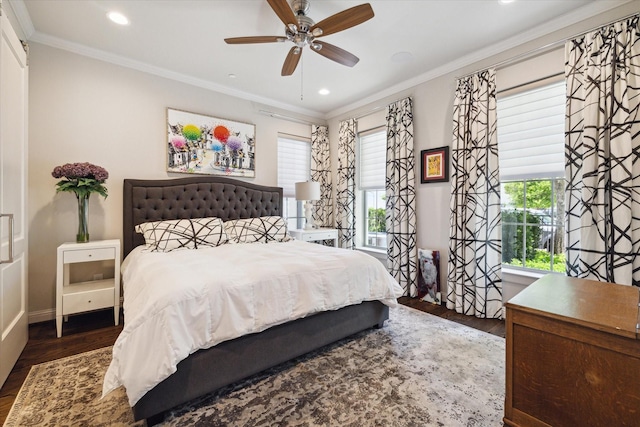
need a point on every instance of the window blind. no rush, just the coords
(531, 133)
(372, 162)
(294, 163)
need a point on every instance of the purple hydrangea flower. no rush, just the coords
(81, 178)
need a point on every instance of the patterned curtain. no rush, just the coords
(474, 282)
(321, 172)
(346, 187)
(401, 196)
(602, 143)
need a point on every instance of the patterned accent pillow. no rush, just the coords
(167, 236)
(265, 229)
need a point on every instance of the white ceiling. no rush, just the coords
(183, 39)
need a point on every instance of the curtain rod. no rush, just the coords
(378, 108)
(285, 117)
(541, 79)
(545, 48)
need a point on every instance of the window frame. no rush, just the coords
(362, 226)
(554, 226)
(295, 221)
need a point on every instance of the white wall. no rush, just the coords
(85, 110)
(433, 126)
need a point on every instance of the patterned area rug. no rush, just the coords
(419, 370)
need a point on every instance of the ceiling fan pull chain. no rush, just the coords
(301, 73)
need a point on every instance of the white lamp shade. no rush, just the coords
(309, 190)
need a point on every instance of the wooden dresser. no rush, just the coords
(573, 354)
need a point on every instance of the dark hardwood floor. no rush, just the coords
(492, 326)
(95, 330)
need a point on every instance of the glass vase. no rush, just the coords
(83, 219)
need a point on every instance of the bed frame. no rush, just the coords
(208, 370)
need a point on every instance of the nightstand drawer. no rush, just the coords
(85, 255)
(86, 301)
(308, 237)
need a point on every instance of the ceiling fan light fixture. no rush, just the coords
(301, 30)
(305, 23)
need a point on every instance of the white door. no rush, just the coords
(14, 326)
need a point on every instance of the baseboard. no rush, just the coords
(42, 315)
(48, 314)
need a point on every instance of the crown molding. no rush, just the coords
(21, 14)
(578, 15)
(592, 9)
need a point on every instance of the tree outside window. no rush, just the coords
(532, 224)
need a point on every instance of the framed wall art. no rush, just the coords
(199, 144)
(434, 165)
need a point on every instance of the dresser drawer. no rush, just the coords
(86, 255)
(86, 301)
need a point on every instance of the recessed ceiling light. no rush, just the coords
(324, 92)
(506, 1)
(400, 57)
(118, 18)
(232, 76)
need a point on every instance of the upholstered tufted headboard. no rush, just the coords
(193, 197)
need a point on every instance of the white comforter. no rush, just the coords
(179, 302)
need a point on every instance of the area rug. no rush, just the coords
(419, 370)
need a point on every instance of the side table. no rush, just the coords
(79, 297)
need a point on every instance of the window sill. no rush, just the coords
(381, 254)
(522, 277)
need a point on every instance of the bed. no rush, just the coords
(237, 358)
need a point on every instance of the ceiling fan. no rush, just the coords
(303, 31)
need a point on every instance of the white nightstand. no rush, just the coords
(92, 295)
(316, 234)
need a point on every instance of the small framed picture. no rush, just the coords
(434, 165)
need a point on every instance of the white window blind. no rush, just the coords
(294, 163)
(372, 162)
(531, 133)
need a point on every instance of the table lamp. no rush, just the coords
(308, 191)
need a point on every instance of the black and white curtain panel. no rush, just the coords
(602, 144)
(401, 196)
(346, 185)
(474, 282)
(321, 172)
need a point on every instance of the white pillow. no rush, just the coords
(167, 236)
(265, 229)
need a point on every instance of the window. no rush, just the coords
(372, 153)
(294, 165)
(531, 153)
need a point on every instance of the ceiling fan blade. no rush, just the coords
(342, 20)
(291, 62)
(335, 53)
(256, 39)
(284, 12)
